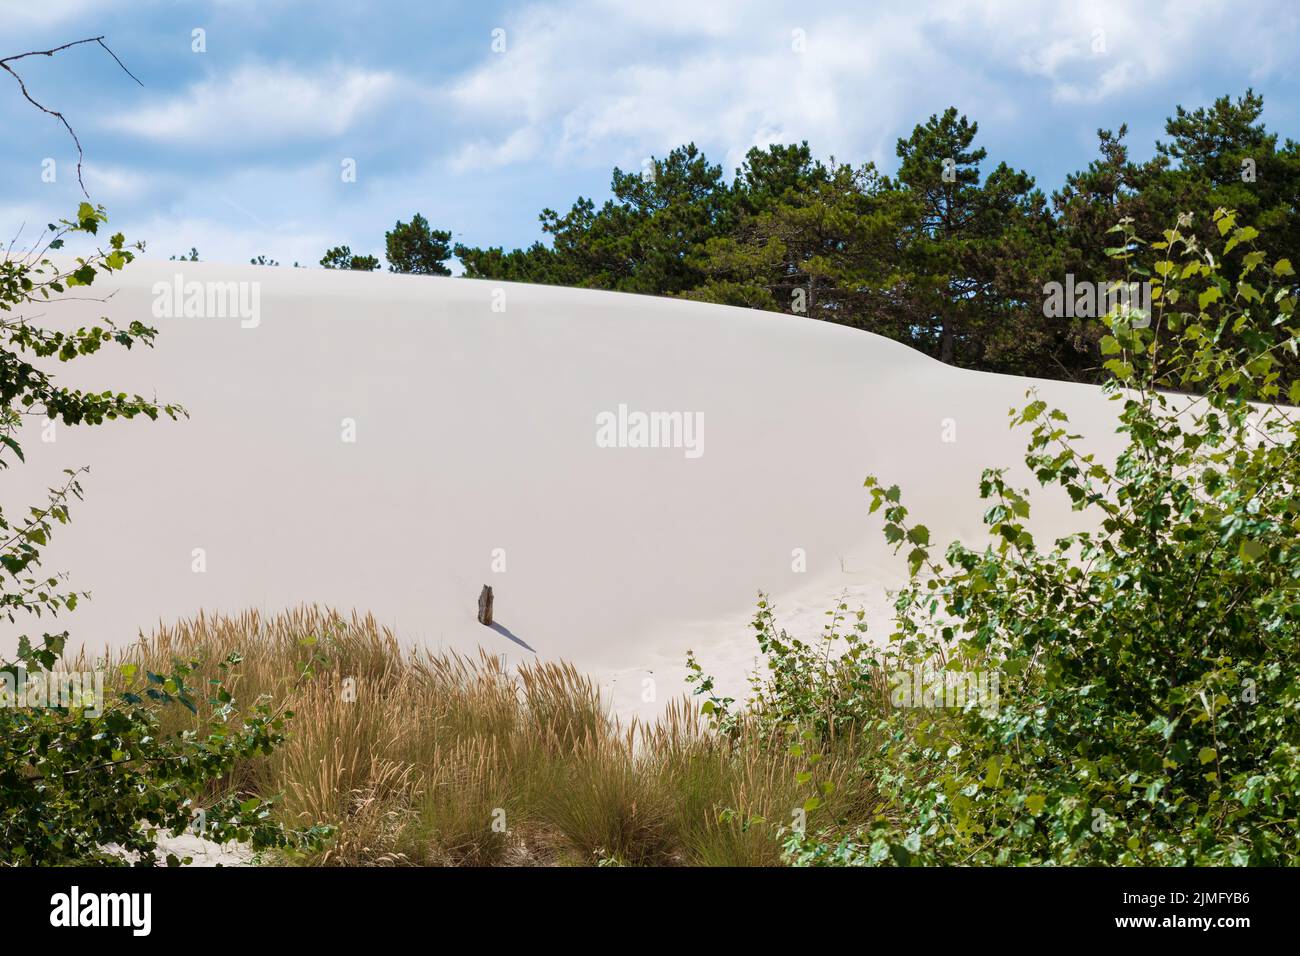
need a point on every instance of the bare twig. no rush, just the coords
(4, 65)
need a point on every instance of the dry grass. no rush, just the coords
(435, 759)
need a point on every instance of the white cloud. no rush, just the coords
(594, 81)
(18, 14)
(262, 104)
(112, 184)
(524, 143)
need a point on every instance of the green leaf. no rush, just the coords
(1121, 370)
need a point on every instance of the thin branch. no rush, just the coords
(4, 65)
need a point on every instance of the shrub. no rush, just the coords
(1149, 711)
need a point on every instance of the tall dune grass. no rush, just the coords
(438, 759)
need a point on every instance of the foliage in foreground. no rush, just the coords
(82, 779)
(1149, 710)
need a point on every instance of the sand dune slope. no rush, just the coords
(474, 410)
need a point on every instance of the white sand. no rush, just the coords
(476, 430)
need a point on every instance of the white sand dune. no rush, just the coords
(475, 430)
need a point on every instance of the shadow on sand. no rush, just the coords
(506, 632)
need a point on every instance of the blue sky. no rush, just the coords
(238, 150)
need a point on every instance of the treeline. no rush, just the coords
(945, 255)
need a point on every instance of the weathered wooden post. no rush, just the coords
(485, 605)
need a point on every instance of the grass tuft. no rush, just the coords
(442, 760)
